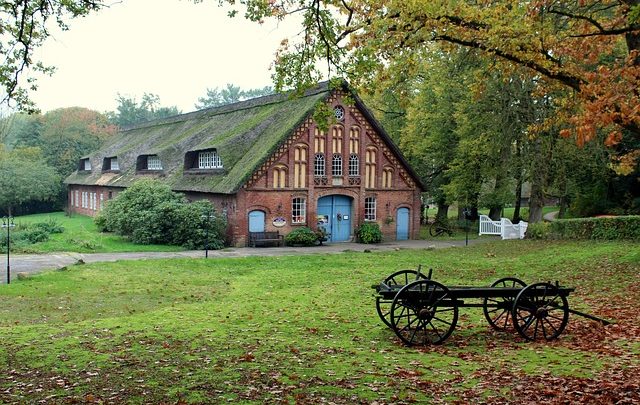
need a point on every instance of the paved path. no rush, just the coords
(36, 263)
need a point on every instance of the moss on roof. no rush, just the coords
(244, 134)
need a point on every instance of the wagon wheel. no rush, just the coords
(497, 310)
(402, 277)
(423, 312)
(540, 312)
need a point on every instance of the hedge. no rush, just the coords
(603, 228)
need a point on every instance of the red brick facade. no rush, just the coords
(359, 163)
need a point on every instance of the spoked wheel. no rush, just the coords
(438, 229)
(402, 277)
(540, 312)
(423, 313)
(497, 310)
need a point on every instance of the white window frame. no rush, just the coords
(113, 164)
(354, 165)
(86, 164)
(299, 210)
(154, 163)
(370, 208)
(336, 165)
(319, 165)
(209, 160)
(77, 198)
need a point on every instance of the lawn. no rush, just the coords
(81, 235)
(303, 329)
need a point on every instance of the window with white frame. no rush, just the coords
(319, 165)
(209, 160)
(112, 163)
(101, 201)
(154, 163)
(299, 211)
(370, 209)
(77, 198)
(336, 165)
(354, 165)
(86, 164)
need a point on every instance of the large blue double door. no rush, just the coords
(334, 214)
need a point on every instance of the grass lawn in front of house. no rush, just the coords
(304, 329)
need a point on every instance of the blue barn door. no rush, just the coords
(402, 224)
(334, 214)
(256, 221)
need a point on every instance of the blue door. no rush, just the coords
(402, 224)
(256, 221)
(334, 214)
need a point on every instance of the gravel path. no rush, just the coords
(33, 263)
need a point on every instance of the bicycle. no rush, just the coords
(440, 227)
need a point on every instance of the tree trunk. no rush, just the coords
(564, 204)
(495, 213)
(518, 202)
(536, 202)
(443, 211)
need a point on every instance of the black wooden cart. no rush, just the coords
(422, 311)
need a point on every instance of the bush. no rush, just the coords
(302, 236)
(614, 228)
(369, 232)
(27, 234)
(150, 213)
(539, 230)
(50, 226)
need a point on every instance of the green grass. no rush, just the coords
(303, 329)
(81, 235)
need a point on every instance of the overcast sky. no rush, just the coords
(175, 49)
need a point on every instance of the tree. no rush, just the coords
(23, 25)
(130, 112)
(230, 94)
(591, 47)
(69, 133)
(24, 177)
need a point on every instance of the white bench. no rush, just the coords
(504, 227)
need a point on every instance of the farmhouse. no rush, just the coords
(267, 166)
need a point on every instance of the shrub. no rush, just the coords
(302, 236)
(150, 213)
(50, 226)
(369, 232)
(540, 230)
(615, 228)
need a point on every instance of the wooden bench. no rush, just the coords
(265, 238)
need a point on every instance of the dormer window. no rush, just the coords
(110, 164)
(148, 162)
(209, 160)
(85, 165)
(205, 161)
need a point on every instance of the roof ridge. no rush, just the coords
(228, 108)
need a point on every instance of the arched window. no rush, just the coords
(354, 165)
(336, 165)
(320, 140)
(387, 177)
(354, 140)
(319, 165)
(370, 167)
(336, 139)
(279, 177)
(300, 166)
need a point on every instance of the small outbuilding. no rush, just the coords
(267, 166)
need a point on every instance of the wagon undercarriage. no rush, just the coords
(422, 311)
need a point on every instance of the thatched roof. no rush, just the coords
(244, 134)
